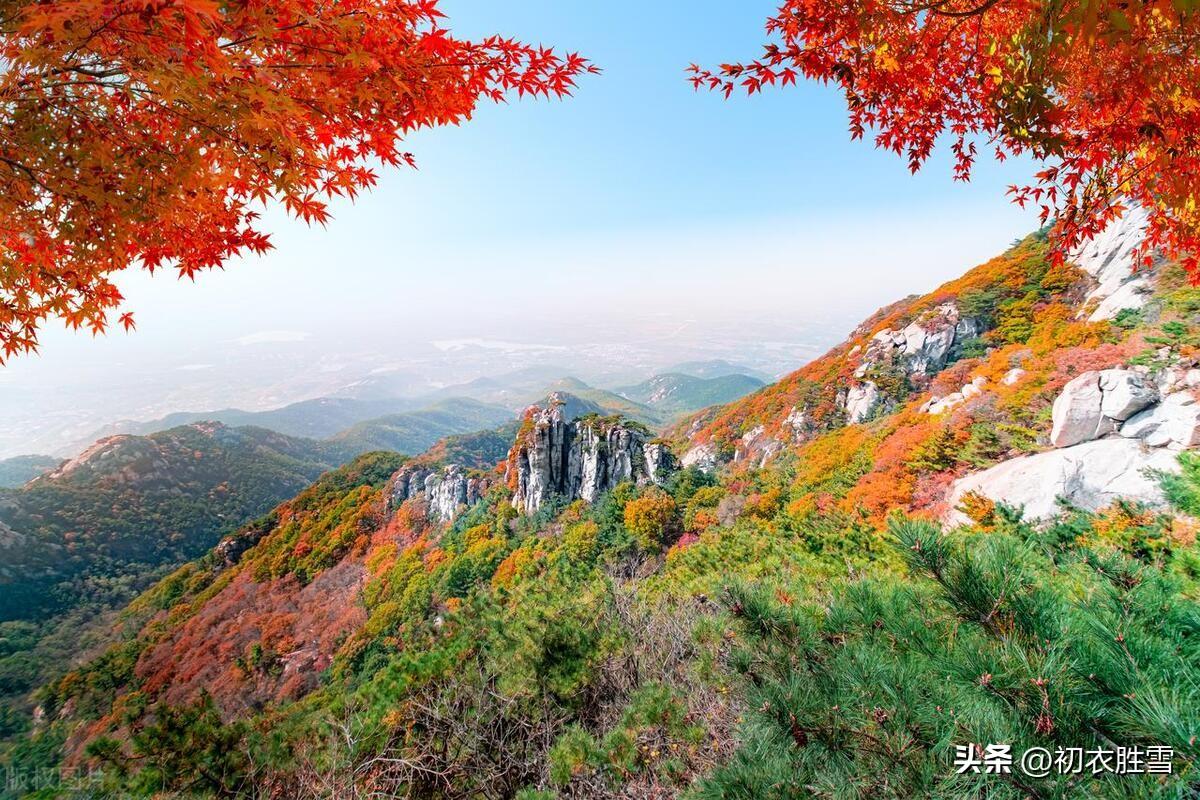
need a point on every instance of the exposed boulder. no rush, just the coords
(1094, 404)
(1013, 376)
(756, 441)
(581, 459)
(940, 405)
(1174, 379)
(925, 345)
(1091, 476)
(1124, 393)
(1173, 423)
(444, 490)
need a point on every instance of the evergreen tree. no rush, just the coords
(1015, 637)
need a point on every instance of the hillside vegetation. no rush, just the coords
(803, 607)
(19, 469)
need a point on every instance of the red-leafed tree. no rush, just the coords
(144, 133)
(1105, 92)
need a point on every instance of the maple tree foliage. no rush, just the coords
(1105, 92)
(145, 133)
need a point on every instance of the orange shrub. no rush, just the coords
(649, 518)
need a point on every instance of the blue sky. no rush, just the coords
(634, 207)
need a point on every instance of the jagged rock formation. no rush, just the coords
(1174, 423)
(1091, 476)
(924, 345)
(581, 459)
(445, 490)
(703, 457)
(920, 349)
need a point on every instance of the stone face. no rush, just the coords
(1078, 412)
(924, 345)
(974, 388)
(702, 457)
(940, 405)
(944, 404)
(1174, 423)
(861, 401)
(444, 490)
(922, 348)
(581, 459)
(1125, 392)
(1013, 376)
(797, 420)
(659, 459)
(1109, 259)
(1090, 476)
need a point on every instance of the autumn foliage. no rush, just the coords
(146, 132)
(1105, 93)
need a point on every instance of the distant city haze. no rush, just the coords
(632, 227)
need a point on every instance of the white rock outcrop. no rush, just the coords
(1095, 403)
(1013, 376)
(446, 490)
(921, 348)
(1109, 259)
(1091, 476)
(1174, 423)
(703, 457)
(861, 402)
(940, 405)
(1125, 392)
(581, 459)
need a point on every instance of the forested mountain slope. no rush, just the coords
(129, 504)
(19, 469)
(675, 392)
(763, 605)
(407, 425)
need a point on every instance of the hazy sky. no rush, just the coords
(629, 213)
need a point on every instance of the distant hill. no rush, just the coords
(679, 393)
(100, 526)
(315, 419)
(714, 368)
(416, 431)
(479, 450)
(513, 388)
(18, 470)
(579, 399)
(414, 424)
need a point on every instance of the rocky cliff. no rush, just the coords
(905, 358)
(581, 459)
(1108, 259)
(1113, 430)
(445, 490)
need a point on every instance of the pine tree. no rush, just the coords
(1057, 638)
